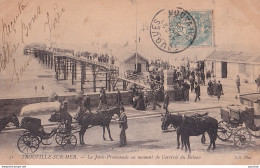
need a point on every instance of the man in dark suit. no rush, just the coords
(123, 125)
(87, 104)
(197, 91)
(166, 102)
(238, 84)
(210, 88)
(65, 117)
(219, 90)
(155, 96)
(102, 100)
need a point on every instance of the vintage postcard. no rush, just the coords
(129, 82)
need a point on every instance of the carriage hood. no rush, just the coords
(40, 108)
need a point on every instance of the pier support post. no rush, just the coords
(83, 74)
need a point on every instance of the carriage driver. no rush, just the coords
(65, 116)
(102, 100)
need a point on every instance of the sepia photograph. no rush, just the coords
(129, 82)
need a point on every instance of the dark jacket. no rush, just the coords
(197, 90)
(166, 99)
(103, 98)
(208, 75)
(123, 121)
(219, 88)
(210, 84)
(87, 102)
(202, 75)
(186, 86)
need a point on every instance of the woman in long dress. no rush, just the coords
(141, 102)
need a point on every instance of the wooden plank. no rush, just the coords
(131, 81)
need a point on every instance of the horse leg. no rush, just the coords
(182, 142)
(188, 143)
(108, 129)
(214, 139)
(211, 140)
(184, 138)
(178, 139)
(104, 138)
(84, 131)
(203, 139)
(214, 145)
(81, 135)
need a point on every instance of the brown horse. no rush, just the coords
(192, 126)
(10, 118)
(101, 118)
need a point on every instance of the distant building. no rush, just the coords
(225, 64)
(130, 63)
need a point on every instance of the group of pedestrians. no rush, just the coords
(215, 88)
(102, 58)
(181, 90)
(139, 100)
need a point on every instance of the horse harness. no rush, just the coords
(196, 117)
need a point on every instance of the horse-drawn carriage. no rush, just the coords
(34, 133)
(242, 121)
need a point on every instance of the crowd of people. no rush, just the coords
(186, 80)
(215, 89)
(63, 50)
(102, 58)
(159, 65)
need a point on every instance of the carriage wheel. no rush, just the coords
(69, 142)
(59, 136)
(242, 137)
(28, 143)
(255, 134)
(224, 133)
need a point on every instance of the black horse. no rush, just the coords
(101, 118)
(175, 121)
(10, 118)
(192, 126)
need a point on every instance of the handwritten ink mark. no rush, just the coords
(26, 27)
(8, 51)
(21, 71)
(8, 28)
(50, 24)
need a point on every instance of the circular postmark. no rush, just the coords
(173, 31)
